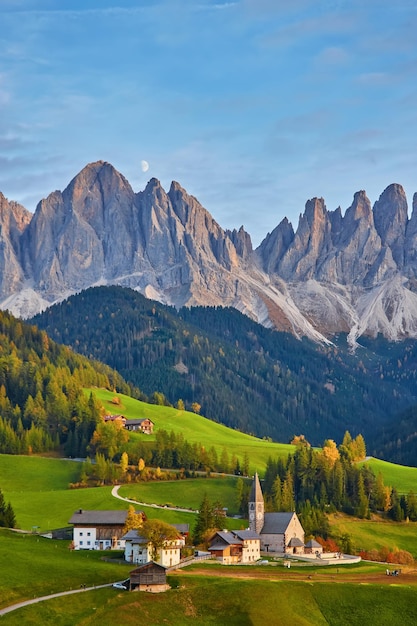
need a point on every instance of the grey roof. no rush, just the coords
(312, 543)
(182, 528)
(98, 517)
(276, 523)
(217, 546)
(246, 534)
(135, 422)
(148, 565)
(295, 542)
(232, 537)
(135, 538)
(228, 537)
(256, 491)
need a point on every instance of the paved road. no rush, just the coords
(13, 607)
(115, 494)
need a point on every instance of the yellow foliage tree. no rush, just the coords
(134, 520)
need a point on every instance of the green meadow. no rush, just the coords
(217, 601)
(32, 566)
(368, 534)
(403, 478)
(197, 429)
(38, 489)
(187, 494)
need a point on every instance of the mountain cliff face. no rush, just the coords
(353, 273)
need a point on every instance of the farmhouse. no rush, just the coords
(235, 546)
(279, 532)
(138, 548)
(99, 530)
(149, 577)
(115, 418)
(144, 425)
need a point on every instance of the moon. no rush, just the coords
(144, 166)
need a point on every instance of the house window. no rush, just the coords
(81, 543)
(81, 534)
(88, 534)
(89, 543)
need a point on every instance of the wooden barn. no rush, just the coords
(149, 577)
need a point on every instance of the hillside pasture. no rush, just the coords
(187, 494)
(402, 477)
(196, 429)
(216, 601)
(38, 490)
(33, 566)
(376, 533)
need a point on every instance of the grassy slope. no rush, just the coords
(197, 429)
(34, 566)
(403, 478)
(38, 490)
(218, 601)
(367, 534)
(187, 494)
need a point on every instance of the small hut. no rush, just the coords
(149, 577)
(313, 547)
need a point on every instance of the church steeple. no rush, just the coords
(256, 506)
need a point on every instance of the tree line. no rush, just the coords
(243, 375)
(42, 402)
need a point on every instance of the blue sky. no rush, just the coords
(253, 106)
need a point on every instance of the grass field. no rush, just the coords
(217, 602)
(368, 534)
(198, 429)
(32, 566)
(187, 494)
(38, 490)
(403, 478)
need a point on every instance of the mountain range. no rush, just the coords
(354, 273)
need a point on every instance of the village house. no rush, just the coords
(138, 548)
(281, 533)
(149, 577)
(235, 546)
(143, 425)
(99, 530)
(115, 418)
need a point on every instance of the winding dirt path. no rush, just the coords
(115, 494)
(19, 605)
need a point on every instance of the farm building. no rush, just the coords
(144, 425)
(313, 547)
(115, 418)
(99, 530)
(279, 532)
(235, 546)
(149, 577)
(138, 548)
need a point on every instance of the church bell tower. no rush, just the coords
(256, 506)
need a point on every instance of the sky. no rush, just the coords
(253, 106)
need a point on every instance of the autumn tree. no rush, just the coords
(159, 534)
(124, 463)
(134, 520)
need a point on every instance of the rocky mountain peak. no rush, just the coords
(335, 273)
(390, 218)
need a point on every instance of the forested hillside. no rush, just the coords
(241, 374)
(42, 403)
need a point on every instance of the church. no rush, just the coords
(281, 533)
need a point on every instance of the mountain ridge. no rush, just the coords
(354, 273)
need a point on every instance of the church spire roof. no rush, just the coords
(256, 491)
